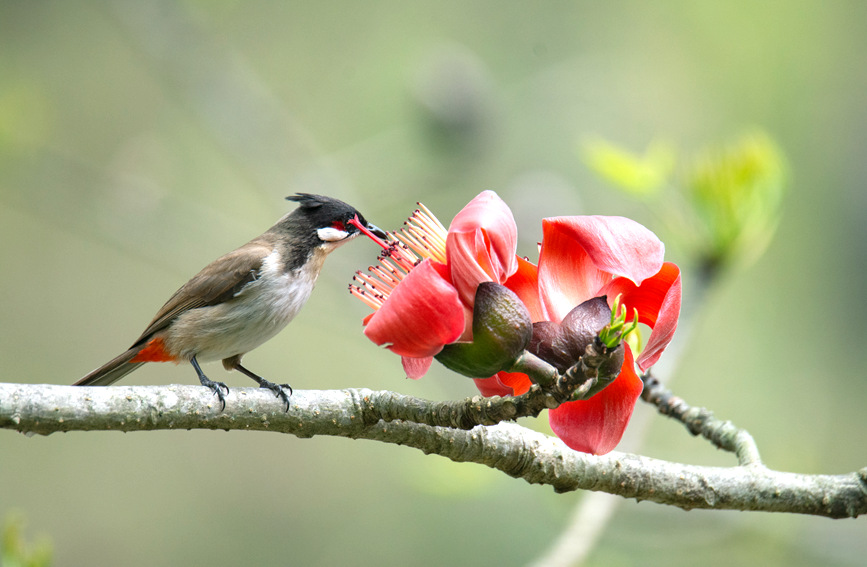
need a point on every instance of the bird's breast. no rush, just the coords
(260, 310)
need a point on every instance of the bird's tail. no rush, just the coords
(113, 370)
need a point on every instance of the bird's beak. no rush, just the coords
(371, 231)
(377, 231)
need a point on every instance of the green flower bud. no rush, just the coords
(501, 332)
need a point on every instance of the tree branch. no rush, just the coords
(365, 414)
(701, 421)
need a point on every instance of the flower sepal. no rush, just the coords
(501, 332)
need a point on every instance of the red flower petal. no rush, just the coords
(421, 315)
(492, 387)
(504, 384)
(525, 283)
(658, 302)
(582, 254)
(597, 425)
(481, 244)
(415, 368)
(518, 382)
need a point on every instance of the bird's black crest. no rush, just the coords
(310, 201)
(323, 211)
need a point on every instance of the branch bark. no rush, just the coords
(365, 414)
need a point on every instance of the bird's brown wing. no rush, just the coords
(219, 281)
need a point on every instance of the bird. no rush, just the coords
(243, 298)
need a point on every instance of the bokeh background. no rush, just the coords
(138, 141)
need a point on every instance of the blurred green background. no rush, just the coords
(139, 141)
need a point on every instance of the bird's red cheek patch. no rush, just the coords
(154, 351)
(338, 225)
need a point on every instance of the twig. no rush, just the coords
(701, 421)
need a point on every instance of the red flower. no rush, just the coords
(423, 294)
(438, 272)
(585, 257)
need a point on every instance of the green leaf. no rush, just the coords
(637, 175)
(737, 193)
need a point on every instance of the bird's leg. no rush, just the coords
(234, 363)
(216, 387)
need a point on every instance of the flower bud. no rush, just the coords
(548, 345)
(581, 325)
(564, 344)
(501, 331)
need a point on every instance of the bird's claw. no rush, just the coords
(217, 388)
(279, 391)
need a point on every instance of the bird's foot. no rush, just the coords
(220, 390)
(216, 387)
(278, 389)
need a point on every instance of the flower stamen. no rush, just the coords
(422, 237)
(372, 301)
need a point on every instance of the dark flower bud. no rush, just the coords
(564, 344)
(546, 343)
(501, 332)
(581, 325)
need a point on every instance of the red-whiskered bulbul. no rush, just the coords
(242, 299)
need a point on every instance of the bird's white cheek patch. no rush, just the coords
(331, 234)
